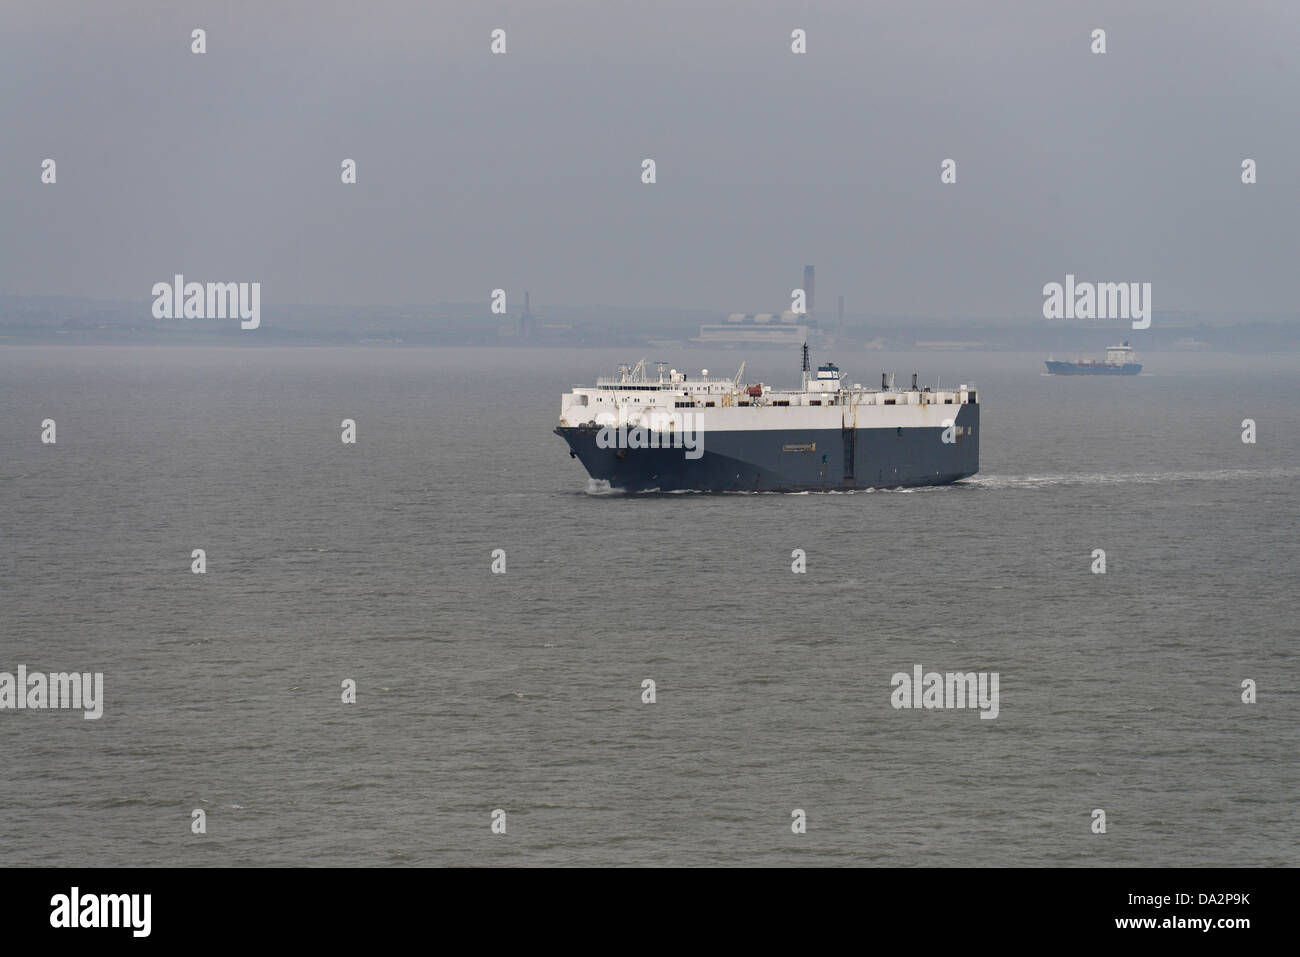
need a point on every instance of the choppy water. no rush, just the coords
(522, 691)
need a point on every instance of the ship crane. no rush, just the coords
(735, 383)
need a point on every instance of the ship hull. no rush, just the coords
(789, 460)
(1071, 368)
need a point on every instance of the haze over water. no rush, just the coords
(522, 691)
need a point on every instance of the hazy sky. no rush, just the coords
(523, 171)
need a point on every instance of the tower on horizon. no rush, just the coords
(526, 319)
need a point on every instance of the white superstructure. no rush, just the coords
(823, 401)
(1120, 355)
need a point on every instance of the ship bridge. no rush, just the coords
(1120, 354)
(826, 380)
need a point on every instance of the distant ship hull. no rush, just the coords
(1083, 368)
(790, 460)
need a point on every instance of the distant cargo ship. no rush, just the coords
(1119, 361)
(678, 432)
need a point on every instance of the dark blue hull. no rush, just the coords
(789, 460)
(1073, 368)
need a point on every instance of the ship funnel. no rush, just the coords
(884, 381)
(914, 375)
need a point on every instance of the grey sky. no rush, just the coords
(523, 171)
